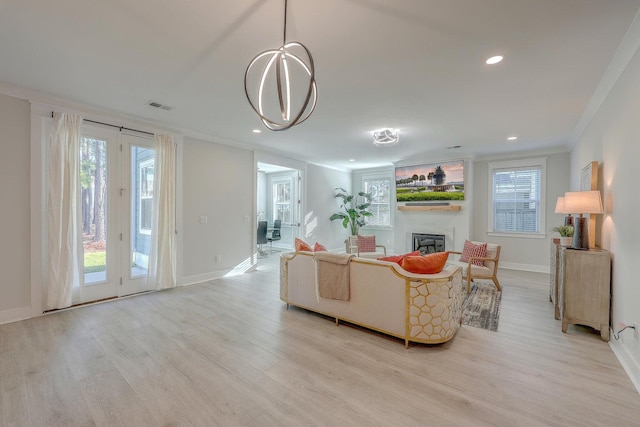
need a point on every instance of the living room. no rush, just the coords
(217, 177)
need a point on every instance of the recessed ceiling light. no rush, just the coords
(352, 160)
(256, 131)
(495, 59)
(512, 138)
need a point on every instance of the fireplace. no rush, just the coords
(428, 243)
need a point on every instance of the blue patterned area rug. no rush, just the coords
(481, 308)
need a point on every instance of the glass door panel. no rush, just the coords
(138, 174)
(94, 190)
(142, 163)
(99, 205)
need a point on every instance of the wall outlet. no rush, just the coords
(203, 219)
(218, 258)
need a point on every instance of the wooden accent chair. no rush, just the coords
(364, 247)
(489, 269)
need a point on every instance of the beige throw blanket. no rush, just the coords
(332, 275)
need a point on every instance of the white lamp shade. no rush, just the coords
(560, 205)
(583, 202)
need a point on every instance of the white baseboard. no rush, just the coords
(626, 359)
(15, 314)
(525, 267)
(199, 278)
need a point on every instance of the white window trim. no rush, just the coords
(540, 162)
(391, 199)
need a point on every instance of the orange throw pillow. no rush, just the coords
(319, 248)
(428, 264)
(302, 246)
(398, 258)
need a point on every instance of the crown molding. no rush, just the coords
(625, 52)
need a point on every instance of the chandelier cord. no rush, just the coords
(284, 36)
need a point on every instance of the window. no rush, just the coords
(380, 189)
(517, 197)
(282, 201)
(146, 196)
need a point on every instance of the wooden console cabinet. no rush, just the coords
(553, 285)
(584, 288)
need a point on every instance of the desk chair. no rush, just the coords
(275, 235)
(262, 236)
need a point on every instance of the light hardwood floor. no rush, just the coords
(228, 353)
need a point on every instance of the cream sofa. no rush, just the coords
(423, 308)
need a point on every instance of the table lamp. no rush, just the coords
(560, 208)
(582, 202)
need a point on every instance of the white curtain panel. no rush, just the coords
(63, 215)
(162, 257)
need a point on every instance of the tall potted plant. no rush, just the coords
(355, 209)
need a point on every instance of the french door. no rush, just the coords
(116, 202)
(138, 175)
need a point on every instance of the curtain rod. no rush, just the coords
(115, 126)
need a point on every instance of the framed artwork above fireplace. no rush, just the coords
(441, 181)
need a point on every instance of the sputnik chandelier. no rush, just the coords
(282, 64)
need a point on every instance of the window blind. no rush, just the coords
(516, 200)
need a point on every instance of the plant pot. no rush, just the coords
(566, 241)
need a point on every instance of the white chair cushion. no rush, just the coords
(476, 270)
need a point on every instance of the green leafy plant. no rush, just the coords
(563, 230)
(355, 209)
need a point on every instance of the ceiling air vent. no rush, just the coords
(158, 105)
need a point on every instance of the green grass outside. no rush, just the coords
(428, 196)
(95, 262)
(409, 190)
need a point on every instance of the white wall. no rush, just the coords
(522, 253)
(320, 205)
(262, 197)
(612, 138)
(218, 183)
(15, 278)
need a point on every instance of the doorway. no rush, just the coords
(279, 198)
(116, 185)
